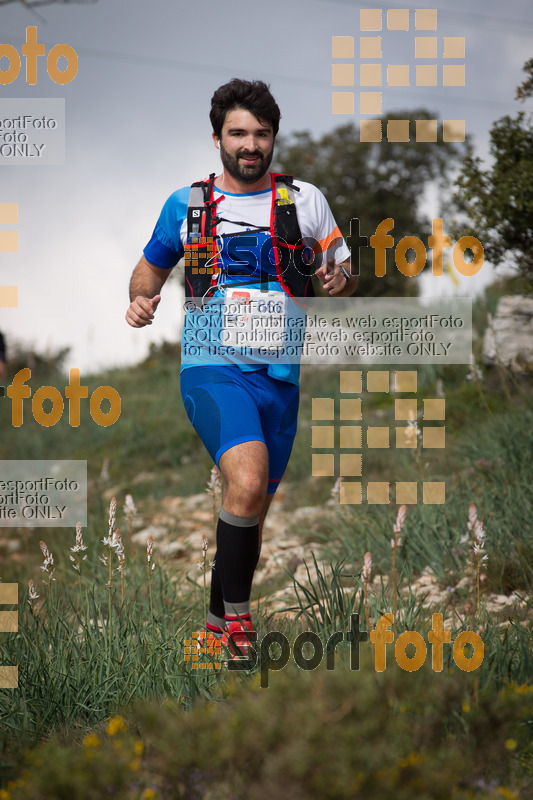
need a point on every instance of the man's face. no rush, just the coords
(246, 146)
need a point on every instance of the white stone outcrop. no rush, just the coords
(509, 337)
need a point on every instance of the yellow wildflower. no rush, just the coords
(149, 794)
(466, 707)
(138, 748)
(114, 725)
(412, 758)
(91, 740)
(510, 744)
(507, 793)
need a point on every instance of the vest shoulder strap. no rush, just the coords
(286, 225)
(200, 208)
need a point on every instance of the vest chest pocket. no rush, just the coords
(254, 319)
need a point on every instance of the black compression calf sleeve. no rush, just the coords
(236, 559)
(216, 599)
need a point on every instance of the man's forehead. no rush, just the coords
(240, 118)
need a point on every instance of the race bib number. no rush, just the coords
(253, 318)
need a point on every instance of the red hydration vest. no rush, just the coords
(293, 269)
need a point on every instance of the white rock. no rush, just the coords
(154, 531)
(509, 340)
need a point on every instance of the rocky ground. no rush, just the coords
(177, 525)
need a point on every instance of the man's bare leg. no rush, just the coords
(244, 469)
(248, 457)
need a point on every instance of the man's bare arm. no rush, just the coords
(145, 285)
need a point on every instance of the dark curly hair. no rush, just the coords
(252, 96)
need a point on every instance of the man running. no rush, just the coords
(245, 411)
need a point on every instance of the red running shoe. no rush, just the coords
(239, 638)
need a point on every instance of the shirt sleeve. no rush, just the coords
(326, 240)
(165, 248)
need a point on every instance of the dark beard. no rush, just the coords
(241, 172)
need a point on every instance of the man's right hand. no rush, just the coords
(141, 311)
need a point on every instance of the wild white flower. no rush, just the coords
(149, 548)
(79, 546)
(478, 546)
(214, 488)
(413, 433)
(400, 519)
(336, 491)
(397, 527)
(112, 515)
(32, 594)
(130, 510)
(114, 542)
(367, 568)
(48, 564)
(205, 543)
(118, 547)
(472, 516)
(472, 519)
(104, 473)
(365, 575)
(214, 484)
(475, 374)
(478, 532)
(480, 553)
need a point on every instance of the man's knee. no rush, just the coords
(248, 484)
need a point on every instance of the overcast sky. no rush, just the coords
(137, 128)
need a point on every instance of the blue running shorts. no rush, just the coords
(227, 406)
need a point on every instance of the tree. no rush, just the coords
(499, 201)
(372, 181)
